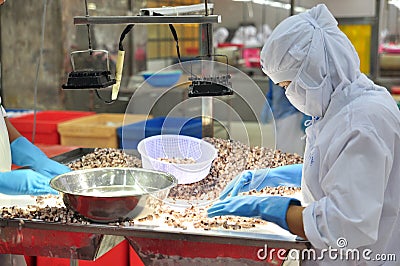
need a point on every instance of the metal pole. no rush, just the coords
(244, 12)
(374, 62)
(263, 18)
(292, 5)
(207, 102)
(73, 262)
(109, 20)
(131, 43)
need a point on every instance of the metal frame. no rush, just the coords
(374, 22)
(147, 231)
(375, 73)
(187, 19)
(383, 80)
(89, 51)
(90, 241)
(206, 44)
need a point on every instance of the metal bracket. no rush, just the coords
(175, 10)
(192, 19)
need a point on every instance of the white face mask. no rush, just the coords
(296, 97)
(306, 99)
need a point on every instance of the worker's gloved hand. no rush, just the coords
(24, 153)
(25, 182)
(268, 208)
(288, 175)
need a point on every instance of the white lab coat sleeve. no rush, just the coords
(5, 158)
(3, 111)
(356, 173)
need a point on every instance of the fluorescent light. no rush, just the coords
(396, 3)
(92, 6)
(276, 4)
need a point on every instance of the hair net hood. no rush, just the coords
(309, 50)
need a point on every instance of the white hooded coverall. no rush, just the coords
(351, 173)
(5, 165)
(5, 162)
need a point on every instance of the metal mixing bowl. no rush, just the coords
(107, 195)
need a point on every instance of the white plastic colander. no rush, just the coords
(171, 146)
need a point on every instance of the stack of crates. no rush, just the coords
(46, 124)
(11, 112)
(97, 131)
(130, 135)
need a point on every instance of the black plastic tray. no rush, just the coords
(76, 154)
(73, 155)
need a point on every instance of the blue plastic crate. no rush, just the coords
(162, 79)
(130, 135)
(11, 112)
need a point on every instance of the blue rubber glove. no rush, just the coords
(24, 153)
(268, 208)
(25, 182)
(288, 175)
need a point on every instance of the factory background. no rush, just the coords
(151, 47)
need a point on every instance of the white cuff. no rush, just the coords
(3, 111)
(311, 228)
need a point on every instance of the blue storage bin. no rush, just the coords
(11, 112)
(130, 135)
(162, 79)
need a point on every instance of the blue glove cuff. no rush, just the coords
(288, 175)
(24, 182)
(274, 209)
(24, 153)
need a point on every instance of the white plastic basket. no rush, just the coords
(153, 148)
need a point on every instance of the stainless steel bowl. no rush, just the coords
(107, 195)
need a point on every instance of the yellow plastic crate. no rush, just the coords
(95, 131)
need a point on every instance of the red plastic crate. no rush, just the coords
(252, 57)
(395, 90)
(227, 44)
(46, 124)
(118, 256)
(134, 259)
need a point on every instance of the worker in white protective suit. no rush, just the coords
(350, 178)
(32, 179)
(219, 36)
(38, 169)
(263, 33)
(246, 35)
